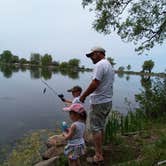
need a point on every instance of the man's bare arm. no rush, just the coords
(92, 87)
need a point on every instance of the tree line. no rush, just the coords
(39, 60)
(47, 60)
(146, 67)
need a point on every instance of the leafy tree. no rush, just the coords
(63, 66)
(55, 63)
(121, 68)
(153, 100)
(128, 67)
(35, 58)
(23, 61)
(148, 66)
(15, 59)
(111, 60)
(46, 60)
(74, 63)
(6, 56)
(142, 22)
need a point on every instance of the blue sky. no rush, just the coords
(63, 29)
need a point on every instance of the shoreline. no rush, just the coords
(79, 69)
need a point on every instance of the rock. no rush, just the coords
(50, 162)
(55, 146)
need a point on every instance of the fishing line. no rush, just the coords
(54, 92)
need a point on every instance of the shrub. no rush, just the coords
(153, 100)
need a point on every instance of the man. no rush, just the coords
(100, 90)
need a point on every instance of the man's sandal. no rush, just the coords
(95, 161)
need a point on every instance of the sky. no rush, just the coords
(64, 30)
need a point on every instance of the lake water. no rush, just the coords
(24, 107)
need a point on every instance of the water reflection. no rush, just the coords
(146, 82)
(36, 72)
(46, 73)
(120, 74)
(70, 73)
(6, 70)
(23, 68)
(127, 78)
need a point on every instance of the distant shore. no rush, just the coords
(53, 67)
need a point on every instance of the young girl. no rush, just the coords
(75, 147)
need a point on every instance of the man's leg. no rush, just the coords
(98, 116)
(98, 140)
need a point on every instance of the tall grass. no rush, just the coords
(123, 124)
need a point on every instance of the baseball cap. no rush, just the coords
(75, 88)
(78, 108)
(95, 49)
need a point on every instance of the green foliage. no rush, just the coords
(6, 56)
(23, 61)
(15, 59)
(121, 68)
(6, 70)
(124, 124)
(133, 121)
(148, 66)
(74, 63)
(63, 66)
(55, 63)
(35, 58)
(28, 150)
(128, 67)
(46, 60)
(46, 73)
(142, 22)
(153, 100)
(112, 127)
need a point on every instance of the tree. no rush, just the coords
(111, 60)
(6, 56)
(46, 60)
(153, 100)
(23, 61)
(55, 63)
(128, 67)
(74, 63)
(148, 66)
(143, 22)
(121, 68)
(15, 59)
(35, 58)
(63, 66)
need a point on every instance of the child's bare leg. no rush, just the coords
(78, 162)
(74, 162)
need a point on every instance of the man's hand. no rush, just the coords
(92, 87)
(82, 99)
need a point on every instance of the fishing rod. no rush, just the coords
(61, 96)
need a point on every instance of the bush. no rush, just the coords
(153, 100)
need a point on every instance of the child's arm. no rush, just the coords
(67, 101)
(70, 132)
(61, 96)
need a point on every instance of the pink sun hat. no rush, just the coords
(78, 108)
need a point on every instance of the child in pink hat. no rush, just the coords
(75, 147)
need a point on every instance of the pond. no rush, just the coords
(24, 107)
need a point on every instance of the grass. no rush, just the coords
(143, 148)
